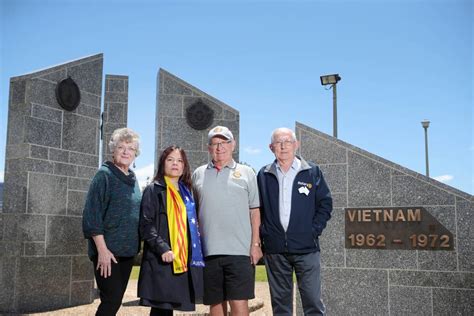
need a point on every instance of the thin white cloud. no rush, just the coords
(252, 151)
(2, 173)
(145, 174)
(444, 178)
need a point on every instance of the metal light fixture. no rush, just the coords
(425, 125)
(332, 80)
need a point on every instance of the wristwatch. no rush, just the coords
(257, 244)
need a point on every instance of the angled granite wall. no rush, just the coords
(115, 110)
(390, 282)
(184, 116)
(51, 156)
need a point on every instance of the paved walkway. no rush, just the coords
(260, 306)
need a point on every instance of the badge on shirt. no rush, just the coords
(237, 174)
(303, 190)
(305, 187)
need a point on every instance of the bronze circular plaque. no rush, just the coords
(68, 94)
(199, 115)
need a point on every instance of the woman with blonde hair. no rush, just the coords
(110, 220)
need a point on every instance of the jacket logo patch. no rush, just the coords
(303, 190)
(308, 185)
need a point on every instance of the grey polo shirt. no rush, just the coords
(225, 198)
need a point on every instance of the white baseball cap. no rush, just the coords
(220, 131)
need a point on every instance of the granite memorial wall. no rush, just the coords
(184, 116)
(115, 110)
(52, 153)
(423, 280)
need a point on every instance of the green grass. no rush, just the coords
(260, 274)
(135, 272)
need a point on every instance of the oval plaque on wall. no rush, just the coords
(68, 94)
(199, 115)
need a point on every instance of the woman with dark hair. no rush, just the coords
(171, 270)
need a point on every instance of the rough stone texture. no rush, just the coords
(18, 150)
(7, 280)
(355, 292)
(437, 260)
(75, 202)
(319, 150)
(65, 236)
(79, 133)
(189, 138)
(432, 279)
(369, 182)
(34, 249)
(393, 282)
(115, 109)
(453, 302)
(51, 156)
(86, 172)
(174, 96)
(82, 268)
(42, 132)
(81, 292)
(42, 283)
(59, 155)
(83, 159)
(410, 191)
(337, 176)
(410, 301)
(197, 158)
(46, 113)
(332, 241)
(47, 194)
(465, 234)
(78, 184)
(38, 152)
(369, 258)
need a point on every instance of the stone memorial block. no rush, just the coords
(422, 277)
(52, 153)
(115, 110)
(184, 116)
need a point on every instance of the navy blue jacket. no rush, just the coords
(309, 213)
(157, 282)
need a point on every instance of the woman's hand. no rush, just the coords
(167, 256)
(105, 257)
(104, 262)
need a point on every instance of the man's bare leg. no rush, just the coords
(239, 307)
(218, 309)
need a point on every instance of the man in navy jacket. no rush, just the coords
(295, 206)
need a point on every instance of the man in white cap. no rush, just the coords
(229, 218)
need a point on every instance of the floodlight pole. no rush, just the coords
(425, 125)
(334, 110)
(332, 80)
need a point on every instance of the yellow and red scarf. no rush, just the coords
(177, 223)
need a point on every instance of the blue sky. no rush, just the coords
(400, 62)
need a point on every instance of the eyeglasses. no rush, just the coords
(217, 145)
(283, 143)
(126, 148)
